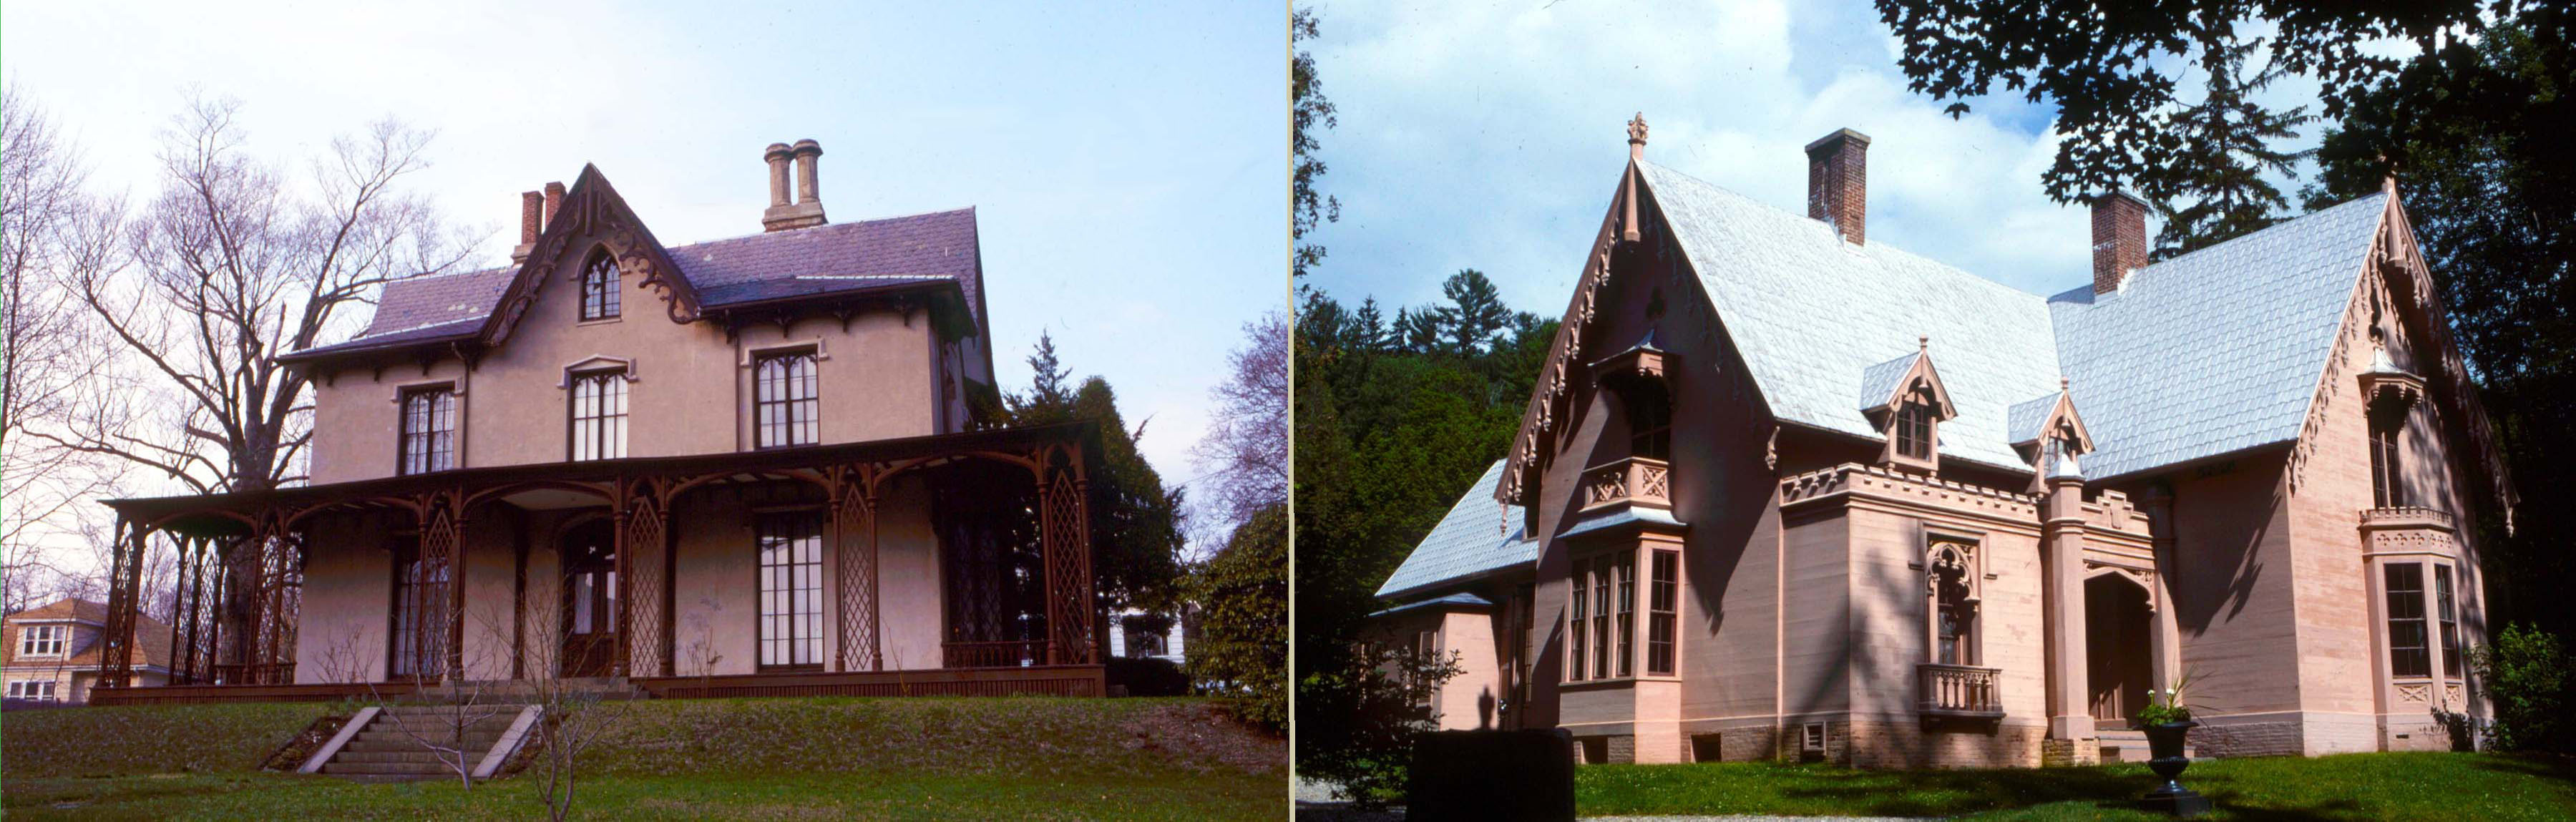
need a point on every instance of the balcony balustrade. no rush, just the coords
(1959, 690)
(2407, 528)
(1631, 481)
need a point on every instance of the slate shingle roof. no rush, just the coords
(2205, 354)
(827, 259)
(1470, 540)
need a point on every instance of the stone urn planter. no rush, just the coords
(2165, 743)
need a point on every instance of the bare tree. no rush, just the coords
(458, 707)
(233, 267)
(1247, 443)
(52, 236)
(574, 715)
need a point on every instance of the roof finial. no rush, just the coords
(1637, 137)
(2061, 384)
(1923, 344)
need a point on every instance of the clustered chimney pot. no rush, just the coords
(1838, 183)
(2119, 239)
(807, 210)
(531, 220)
(554, 201)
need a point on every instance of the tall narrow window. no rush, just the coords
(791, 589)
(428, 441)
(2447, 611)
(599, 289)
(40, 640)
(1662, 612)
(2406, 653)
(1954, 615)
(1624, 572)
(785, 408)
(1914, 431)
(419, 614)
(1601, 618)
(1580, 596)
(2385, 426)
(599, 416)
(1650, 421)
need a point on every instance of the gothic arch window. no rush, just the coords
(599, 287)
(1950, 579)
(1913, 431)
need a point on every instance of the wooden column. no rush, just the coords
(643, 553)
(123, 599)
(442, 540)
(1064, 527)
(854, 547)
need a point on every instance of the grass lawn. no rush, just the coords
(922, 758)
(2351, 786)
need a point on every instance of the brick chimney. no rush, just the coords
(554, 202)
(1838, 183)
(2119, 239)
(531, 221)
(807, 210)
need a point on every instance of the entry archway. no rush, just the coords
(2119, 646)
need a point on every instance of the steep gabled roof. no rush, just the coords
(2218, 350)
(1769, 273)
(1476, 537)
(836, 260)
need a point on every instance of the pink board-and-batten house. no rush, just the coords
(760, 465)
(1784, 492)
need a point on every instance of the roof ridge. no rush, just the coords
(1867, 248)
(808, 231)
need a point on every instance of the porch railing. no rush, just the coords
(259, 674)
(1634, 481)
(1007, 654)
(1959, 690)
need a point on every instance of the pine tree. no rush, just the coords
(1047, 401)
(1475, 317)
(2215, 189)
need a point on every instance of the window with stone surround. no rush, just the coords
(1914, 431)
(1602, 619)
(42, 640)
(2387, 426)
(2407, 655)
(1663, 607)
(785, 408)
(598, 415)
(1650, 420)
(1951, 575)
(1577, 618)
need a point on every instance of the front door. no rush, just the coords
(590, 599)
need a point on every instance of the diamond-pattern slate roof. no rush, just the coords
(827, 259)
(1771, 274)
(1469, 541)
(2205, 354)
(2214, 351)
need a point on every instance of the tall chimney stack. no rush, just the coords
(807, 210)
(531, 221)
(2119, 239)
(1838, 183)
(554, 202)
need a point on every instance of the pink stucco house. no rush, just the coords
(1785, 492)
(759, 465)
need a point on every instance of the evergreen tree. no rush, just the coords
(1474, 319)
(1418, 330)
(1368, 327)
(2214, 189)
(1046, 400)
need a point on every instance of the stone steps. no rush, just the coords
(2131, 746)
(395, 744)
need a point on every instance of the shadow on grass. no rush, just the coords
(1955, 792)
(2560, 767)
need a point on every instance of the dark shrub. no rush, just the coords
(2525, 674)
(1148, 676)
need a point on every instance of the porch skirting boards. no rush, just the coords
(1049, 680)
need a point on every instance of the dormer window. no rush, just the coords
(1914, 431)
(599, 288)
(42, 640)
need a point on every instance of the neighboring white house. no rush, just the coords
(51, 652)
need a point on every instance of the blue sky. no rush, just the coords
(1127, 160)
(1491, 136)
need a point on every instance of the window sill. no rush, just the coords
(600, 321)
(1615, 682)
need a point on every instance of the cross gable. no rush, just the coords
(593, 216)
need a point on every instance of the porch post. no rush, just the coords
(854, 546)
(441, 537)
(639, 578)
(2070, 716)
(1064, 524)
(122, 600)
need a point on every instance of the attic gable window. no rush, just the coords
(1914, 431)
(41, 640)
(599, 288)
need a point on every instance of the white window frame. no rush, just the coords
(40, 690)
(30, 637)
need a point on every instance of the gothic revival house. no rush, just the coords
(1783, 492)
(760, 465)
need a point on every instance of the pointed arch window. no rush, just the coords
(1951, 576)
(1914, 431)
(599, 288)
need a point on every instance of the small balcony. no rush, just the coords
(1959, 691)
(2407, 528)
(1636, 481)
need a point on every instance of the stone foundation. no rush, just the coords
(2066, 753)
(1942, 744)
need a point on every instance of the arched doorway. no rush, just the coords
(589, 602)
(2118, 646)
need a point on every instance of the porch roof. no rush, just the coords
(205, 514)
